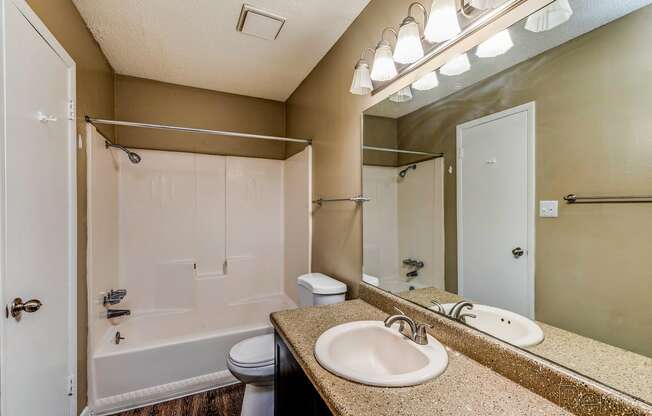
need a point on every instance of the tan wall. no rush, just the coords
(143, 100)
(323, 109)
(380, 132)
(594, 136)
(94, 97)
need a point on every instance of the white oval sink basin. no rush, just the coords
(503, 324)
(369, 353)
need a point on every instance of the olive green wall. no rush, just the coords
(144, 100)
(380, 132)
(94, 97)
(593, 137)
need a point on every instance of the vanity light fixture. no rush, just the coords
(403, 95)
(426, 82)
(443, 24)
(384, 67)
(408, 46)
(549, 17)
(361, 84)
(496, 45)
(456, 66)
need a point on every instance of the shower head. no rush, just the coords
(133, 156)
(405, 171)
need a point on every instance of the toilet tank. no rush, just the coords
(318, 289)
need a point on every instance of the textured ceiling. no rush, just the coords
(195, 43)
(588, 15)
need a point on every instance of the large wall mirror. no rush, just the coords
(518, 178)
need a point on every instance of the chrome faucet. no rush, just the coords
(438, 307)
(417, 331)
(456, 311)
(115, 313)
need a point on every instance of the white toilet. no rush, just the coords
(252, 360)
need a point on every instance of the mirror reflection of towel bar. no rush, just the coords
(357, 199)
(574, 199)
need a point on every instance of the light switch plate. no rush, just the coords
(549, 209)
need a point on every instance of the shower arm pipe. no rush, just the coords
(408, 152)
(95, 121)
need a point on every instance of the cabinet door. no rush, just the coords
(294, 394)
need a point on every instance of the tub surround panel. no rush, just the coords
(103, 174)
(297, 185)
(580, 395)
(465, 388)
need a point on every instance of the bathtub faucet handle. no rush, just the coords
(114, 296)
(118, 337)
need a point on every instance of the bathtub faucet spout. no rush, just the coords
(114, 313)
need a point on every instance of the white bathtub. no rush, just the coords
(168, 355)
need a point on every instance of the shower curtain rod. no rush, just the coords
(194, 130)
(409, 152)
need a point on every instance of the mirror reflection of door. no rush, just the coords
(495, 214)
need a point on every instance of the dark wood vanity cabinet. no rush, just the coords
(294, 394)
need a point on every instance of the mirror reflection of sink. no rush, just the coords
(369, 353)
(503, 324)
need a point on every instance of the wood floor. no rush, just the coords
(226, 401)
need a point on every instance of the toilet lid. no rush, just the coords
(254, 352)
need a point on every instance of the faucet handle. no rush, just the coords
(114, 296)
(421, 336)
(463, 316)
(439, 306)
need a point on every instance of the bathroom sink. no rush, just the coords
(503, 324)
(369, 353)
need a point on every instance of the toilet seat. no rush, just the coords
(253, 352)
(252, 360)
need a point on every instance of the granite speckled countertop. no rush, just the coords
(616, 367)
(466, 388)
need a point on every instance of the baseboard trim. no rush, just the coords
(153, 395)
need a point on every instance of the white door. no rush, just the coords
(38, 221)
(495, 210)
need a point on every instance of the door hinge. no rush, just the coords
(71, 385)
(71, 110)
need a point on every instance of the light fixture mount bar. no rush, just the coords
(475, 26)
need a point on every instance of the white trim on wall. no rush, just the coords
(530, 109)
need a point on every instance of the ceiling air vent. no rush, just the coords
(259, 23)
